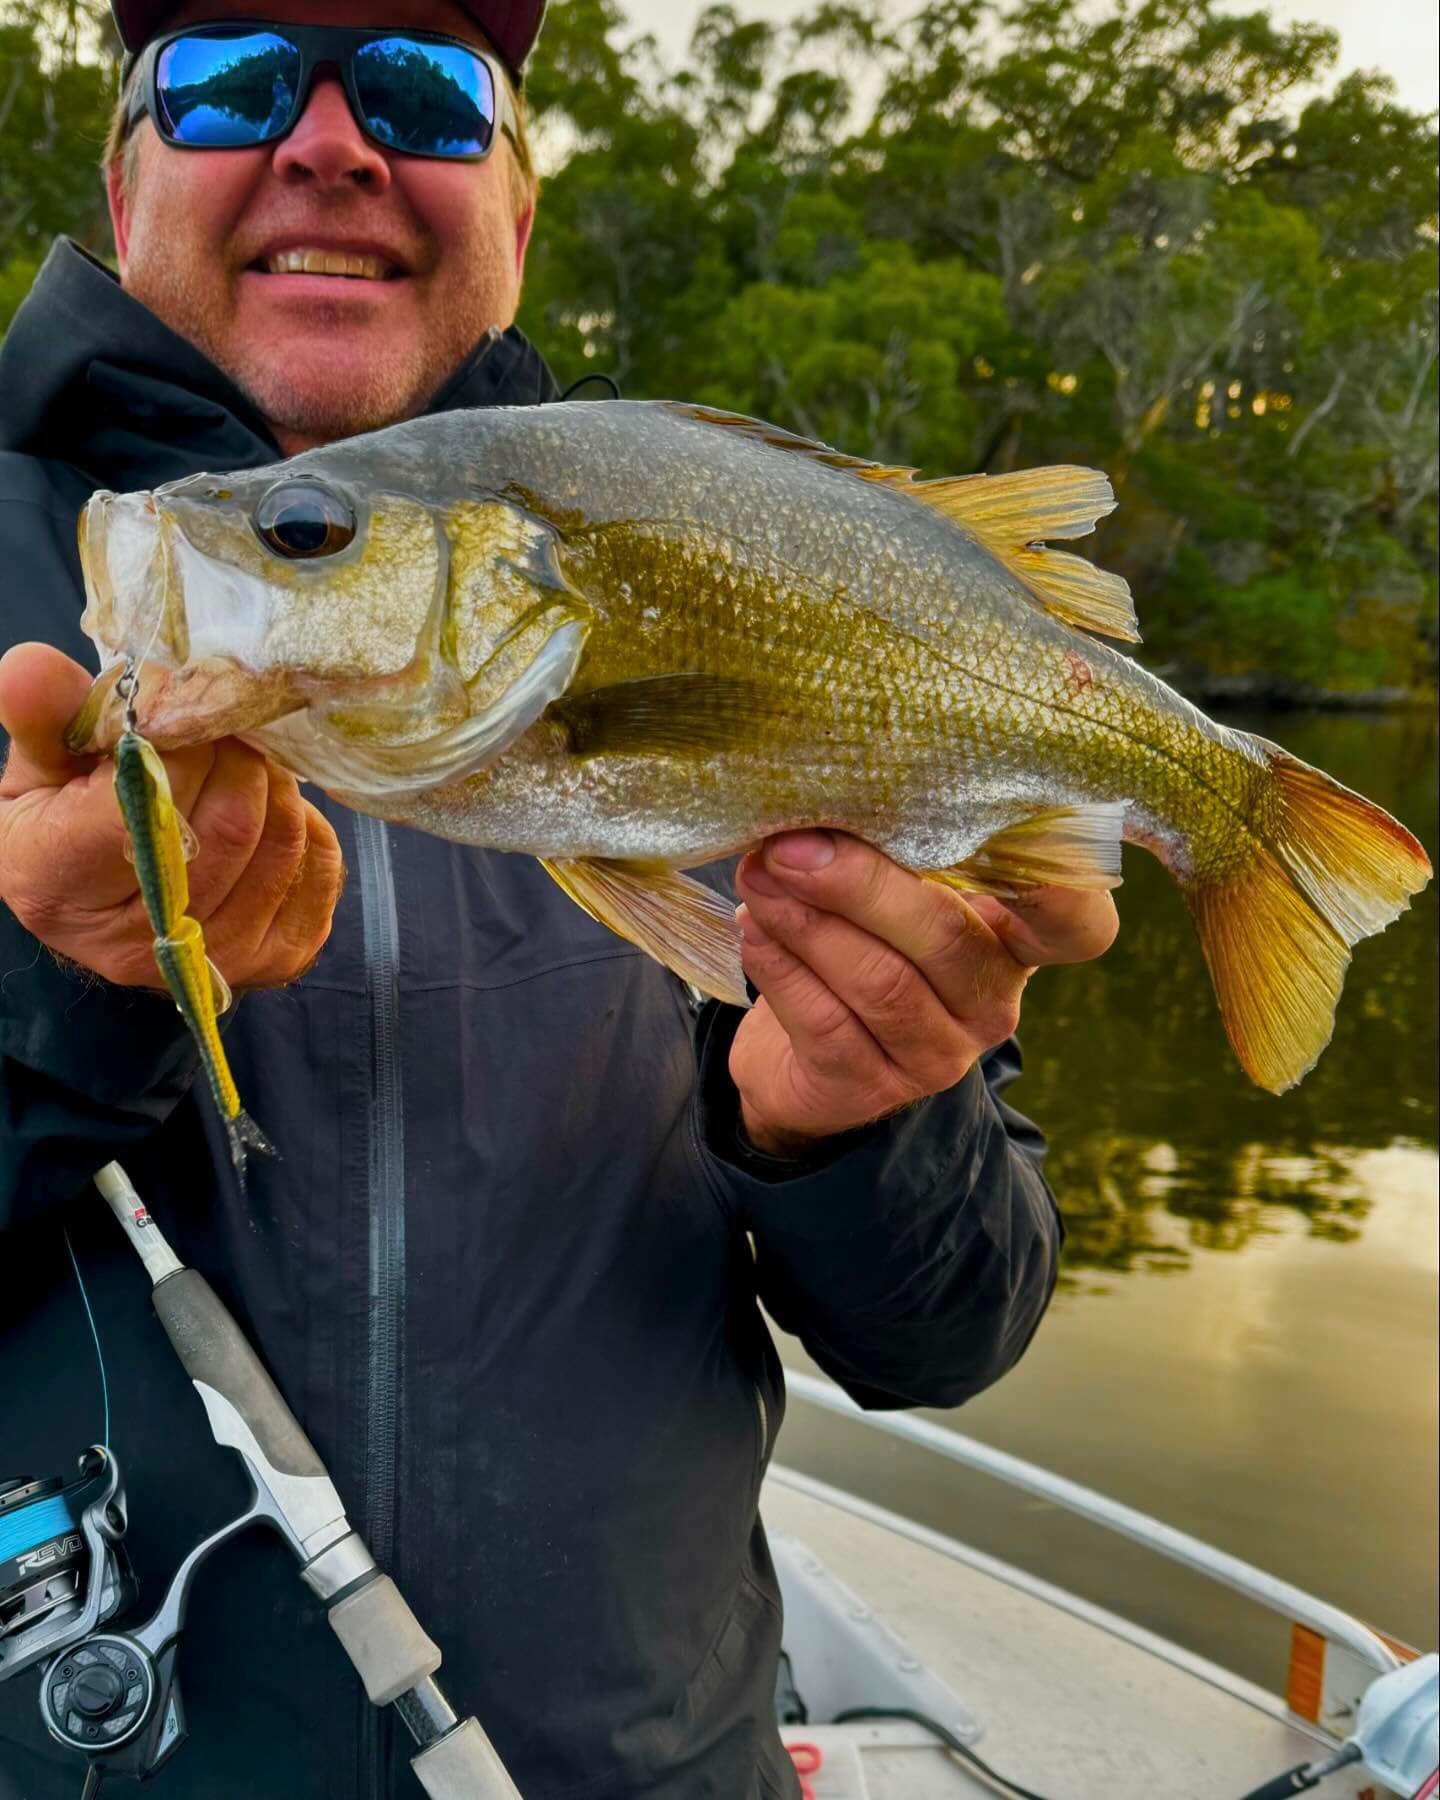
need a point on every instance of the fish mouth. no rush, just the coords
(135, 612)
(122, 558)
(207, 699)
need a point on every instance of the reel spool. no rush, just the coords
(63, 1567)
(111, 1695)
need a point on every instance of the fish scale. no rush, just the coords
(643, 635)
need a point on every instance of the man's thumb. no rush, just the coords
(41, 690)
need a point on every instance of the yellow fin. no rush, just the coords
(219, 989)
(1078, 592)
(1277, 968)
(1012, 514)
(1277, 937)
(679, 922)
(689, 714)
(1009, 514)
(1075, 847)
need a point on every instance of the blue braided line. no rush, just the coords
(34, 1525)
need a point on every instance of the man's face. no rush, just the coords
(324, 356)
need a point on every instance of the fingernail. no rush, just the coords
(755, 876)
(802, 849)
(749, 930)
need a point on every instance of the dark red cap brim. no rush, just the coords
(512, 26)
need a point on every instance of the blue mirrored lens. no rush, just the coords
(425, 99)
(227, 91)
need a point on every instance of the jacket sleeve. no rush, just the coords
(913, 1258)
(86, 1069)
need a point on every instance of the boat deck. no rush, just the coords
(1070, 1701)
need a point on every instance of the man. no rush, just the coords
(504, 1274)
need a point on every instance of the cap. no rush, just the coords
(512, 26)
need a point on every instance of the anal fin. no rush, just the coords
(676, 920)
(1073, 846)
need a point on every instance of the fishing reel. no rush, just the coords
(64, 1574)
(111, 1695)
(63, 1566)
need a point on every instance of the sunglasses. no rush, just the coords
(244, 83)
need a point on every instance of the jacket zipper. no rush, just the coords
(385, 1203)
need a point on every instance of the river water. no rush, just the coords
(1244, 1341)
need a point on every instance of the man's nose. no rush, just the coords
(328, 147)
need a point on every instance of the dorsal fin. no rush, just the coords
(1010, 515)
(778, 438)
(1013, 515)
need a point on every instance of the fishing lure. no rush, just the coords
(161, 843)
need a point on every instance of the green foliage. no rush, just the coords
(996, 235)
(881, 351)
(55, 98)
(993, 234)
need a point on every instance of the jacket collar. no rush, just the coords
(91, 377)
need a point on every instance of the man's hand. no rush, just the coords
(878, 987)
(264, 884)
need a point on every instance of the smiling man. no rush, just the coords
(336, 283)
(508, 1273)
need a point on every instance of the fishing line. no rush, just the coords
(609, 380)
(165, 584)
(99, 1353)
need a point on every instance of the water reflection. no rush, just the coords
(1159, 1144)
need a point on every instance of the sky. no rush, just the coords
(1400, 37)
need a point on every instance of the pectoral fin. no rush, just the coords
(690, 714)
(1075, 847)
(679, 922)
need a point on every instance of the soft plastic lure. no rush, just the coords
(160, 844)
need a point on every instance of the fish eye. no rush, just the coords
(302, 519)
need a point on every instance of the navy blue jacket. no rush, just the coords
(508, 1271)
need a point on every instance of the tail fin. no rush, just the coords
(1277, 938)
(245, 1135)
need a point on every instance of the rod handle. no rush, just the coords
(464, 1766)
(216, 1356)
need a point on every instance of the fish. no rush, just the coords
(160, 845)
(630, 638)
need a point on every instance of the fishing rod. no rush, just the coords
(112, 1695)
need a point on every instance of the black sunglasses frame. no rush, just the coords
(319, 46)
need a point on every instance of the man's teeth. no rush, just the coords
(326, 262)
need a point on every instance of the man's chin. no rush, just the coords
(316, 393)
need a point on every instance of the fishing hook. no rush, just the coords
(127, 687)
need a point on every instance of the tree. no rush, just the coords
(56, 90)
(1052, 233)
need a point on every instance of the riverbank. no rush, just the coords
(1276, 693)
